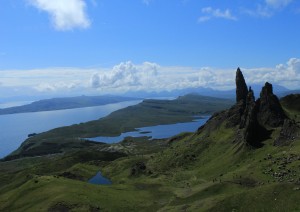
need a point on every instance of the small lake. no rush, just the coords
(99, 180)
(156, 132)
(16, 127)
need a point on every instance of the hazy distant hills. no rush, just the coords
(65, 103)
(228, 94)
(89, 101)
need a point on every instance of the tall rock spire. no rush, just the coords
(270, 110)
(241, 86)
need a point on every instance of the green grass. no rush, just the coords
(202, 171)
(45, 192)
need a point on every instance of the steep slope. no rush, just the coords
(217, 168)
(291, 102)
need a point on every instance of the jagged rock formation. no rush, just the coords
(270, 112)
(254, 119)
(249, 110)
(241, 87)
(249, 121)
(257, 117)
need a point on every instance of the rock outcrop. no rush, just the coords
(249, 121)
(270, 112)
(249, 111)
(241, 87)
(254, 119)
(260, 116)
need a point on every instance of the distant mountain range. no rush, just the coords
(229, 94)
(65, 103)
(89, 101)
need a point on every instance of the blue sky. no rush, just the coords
(96, 38)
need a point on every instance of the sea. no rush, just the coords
(15, 128)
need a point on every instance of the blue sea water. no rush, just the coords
(156, 132)
(15, 128)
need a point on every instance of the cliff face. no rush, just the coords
(270, 111)
(254, 119)
(260, 116)
(241, 87)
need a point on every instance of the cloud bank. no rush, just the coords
(125, 76)
(64, 14)
(147, 76)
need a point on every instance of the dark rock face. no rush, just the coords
(250, 109)
(270, 112)
(254, 133)
(241, 87)
(254, 119)
(235, 113)
(249, 121)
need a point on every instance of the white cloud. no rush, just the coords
(210, 13)
(147, 76)
(268, 8)
(125, 75)
(287, 75)
(278, 3)
(64, 14)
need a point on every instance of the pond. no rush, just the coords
(99, 180)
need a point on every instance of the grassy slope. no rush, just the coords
(147, 113)
(194, 172)
(291, 103)
(222, 176)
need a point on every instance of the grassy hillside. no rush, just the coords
(291, 102)
(65, 103)
(147, 113)
(209, 170)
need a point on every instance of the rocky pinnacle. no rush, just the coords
(270, 110)
(241, 86)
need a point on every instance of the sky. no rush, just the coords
(78, 47)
